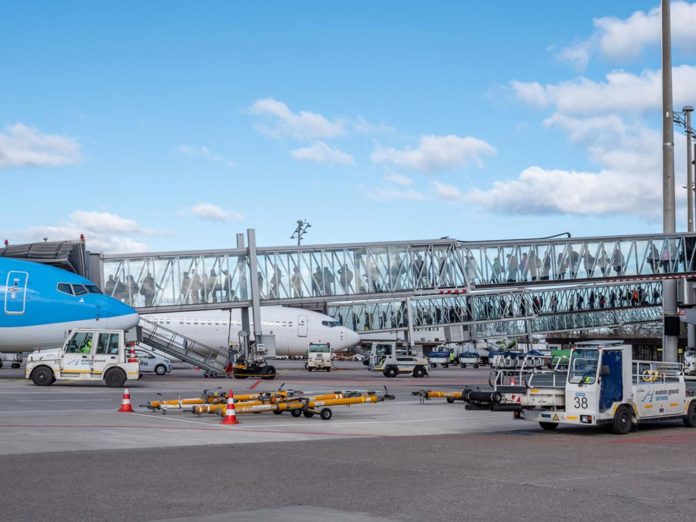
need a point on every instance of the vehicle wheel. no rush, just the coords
(475, 365)
(0, 364)
(622, 421)
(463, 365)
(445, 365)
(295, 413)
(325, 413)
(433, 365)
(277, 412)
(115, 378)
(328, 369)
(160, 369)
(690, 419)
(548, 426)
(15, 365)
(308, 414)
(450, 400)
(43, 376)
(391, 372)
(419, 372)
(308, 368)
(269, 373)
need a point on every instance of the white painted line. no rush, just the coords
(7, 412)
(86, 399)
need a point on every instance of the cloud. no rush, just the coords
(323, 153)
(540, 191)
(304, 125)
(382, 194)
(623, 38)
(621, 91)
(437, 153)
(211, 212)
(205, 153)
(104, 231)
(448, 192)
(398, 179)
(22, 146)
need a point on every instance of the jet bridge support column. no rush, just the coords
(409, 319)
(254, 284)
(245, 311)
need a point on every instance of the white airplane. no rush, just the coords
(294, 329)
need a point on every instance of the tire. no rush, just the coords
(295, 413)
(15, 366)
(42, 376)
(160, 369)
(433, 365)
(308, 414)
(328, 369)
(419, 372)
(325, 414)
(445, 365)
(115, 378)
(622, 422)
(277, 412)
(548, 426)
(390, 371)
(269, 373)
(475, 365)
(450, 400)
(463, 365)
(309, 369)
(690, 419)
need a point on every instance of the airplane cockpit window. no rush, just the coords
(65, 288)
(79, 289)
(81, 342)
(330, 324)
(93, 289)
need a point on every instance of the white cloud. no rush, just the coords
(22, 146)
(382, 194)
(398, 179)
(620, 92)
(205, 153)
(447, 192)
(211, 212)
(437, 153)
(622, 38)
(323, 153)
(543, 191)
(303, 125)
(104, 232)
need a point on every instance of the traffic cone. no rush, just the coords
(132, 358)
(126, 403)
(230, 412)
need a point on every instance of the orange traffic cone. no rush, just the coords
(132, 358)
(126, 403)
(230, 412)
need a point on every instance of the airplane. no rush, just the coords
(41, 303)
(294, 328)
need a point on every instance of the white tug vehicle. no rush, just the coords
(603, 385)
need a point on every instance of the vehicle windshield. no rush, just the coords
(583, 366)
(319, 348)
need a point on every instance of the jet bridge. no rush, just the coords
(312, 275)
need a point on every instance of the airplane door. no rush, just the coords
(302, 326)
(16, 292)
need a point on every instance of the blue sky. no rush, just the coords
(174, 125)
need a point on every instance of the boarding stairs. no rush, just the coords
(185, 348)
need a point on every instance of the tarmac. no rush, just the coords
(65, 452)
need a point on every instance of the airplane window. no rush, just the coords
(65, 288)
(93, 289)
(79, 289)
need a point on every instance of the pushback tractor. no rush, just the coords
(87, 355)
(603, 386)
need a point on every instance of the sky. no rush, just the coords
(154, 126)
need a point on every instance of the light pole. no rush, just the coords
(689, 171)
(300, 230)
(670, 335)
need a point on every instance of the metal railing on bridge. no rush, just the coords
(326, 273)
